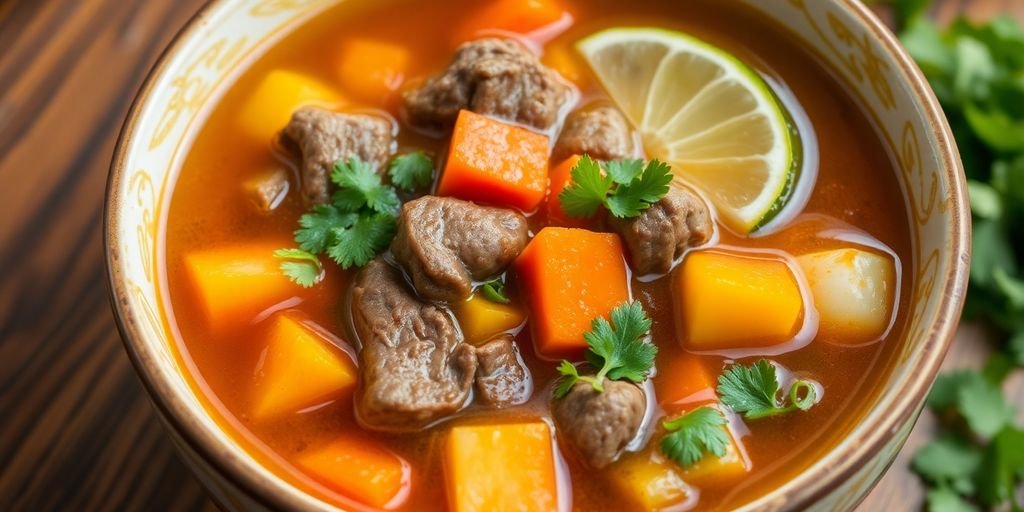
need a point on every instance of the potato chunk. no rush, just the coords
(853, 292)
(280, 93)
(482, 319)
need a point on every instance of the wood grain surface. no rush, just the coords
(76, 430)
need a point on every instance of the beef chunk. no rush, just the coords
(600, 425)
(267, 190)
(601, 132)
(502, 378)
(414, 366)
(662, 232)
(323, 137)
(497, 77)
(445, 243)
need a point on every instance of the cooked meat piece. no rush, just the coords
(600, 425)
(445, 243)
(323, 137)
(502, 377)
(662, 232)
(267, 190)
(414, 366)
(601, 132)
(497, 77)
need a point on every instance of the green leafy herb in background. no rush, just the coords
(977, 72)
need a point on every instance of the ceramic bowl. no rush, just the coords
(218, 42)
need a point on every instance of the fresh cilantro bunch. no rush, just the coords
(360, 220)
(695, 434)
(977, 72)
(625, 187)
(617, 349)
(754, 391)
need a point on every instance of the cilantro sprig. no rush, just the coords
(617, 349)
(624, 187)
(694, 435)
(411, 171)
(494, 291)
(754, 391)
(355, 226)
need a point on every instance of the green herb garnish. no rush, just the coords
(358, 223)
(411, 171)
(694, 435)
(625, 187)
(494, 291)
(617, 349)
(302, 267)
(753, 391)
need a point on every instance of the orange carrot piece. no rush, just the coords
(301, 368)
(683, 381)
(371, 69)
(569, 277)
(360, 469)
(494, 162)
(730, 301)
(560, 177)
(219, 275)
(501, 468)
(517, 16)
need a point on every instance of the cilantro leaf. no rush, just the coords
(1002, 468)
(494, 291)
(617, 349)
(315, 233)
(944, 499)
(359, 243)
(753, 391)
(983, 406)
(411, 171)
(302, 267)
(948, 461)
(695, 434)
(587, 190)
(359, 185)
(570, 376)
(625, 188)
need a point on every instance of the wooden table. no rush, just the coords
(76, 431)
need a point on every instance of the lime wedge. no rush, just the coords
(709, 115)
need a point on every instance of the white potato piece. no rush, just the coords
(853, 291)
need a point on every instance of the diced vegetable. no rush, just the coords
(360, 469)
(281, 92)
(853, 292)
(481, 319)
(371, 69)
(219, 275)
(650, 480)
(701, 443)
(683, 381)
(518, 16)
(729, 301)
(301, 368)
(501, 467)
(559, 177)
(562, 59)
(494, 162)
(570, 277)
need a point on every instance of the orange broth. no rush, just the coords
(856, 184)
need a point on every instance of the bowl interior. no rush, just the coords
(227, 34)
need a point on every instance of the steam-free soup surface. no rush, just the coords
(855, 190)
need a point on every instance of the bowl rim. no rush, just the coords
(240, 469)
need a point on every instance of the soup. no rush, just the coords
(553, 255)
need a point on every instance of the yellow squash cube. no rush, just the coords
(269, 108)
(482, 319)
(301, 368)
(651, 481)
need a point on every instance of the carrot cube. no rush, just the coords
(560, 177)
(496, 468)
(371, 69)
(730, 301)
(482, 319)
(494, 162)
(218, 275)
(360, 469)
(301, 368)
(281, 92)
(683, 381)
(518, 16)
(570, 277)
